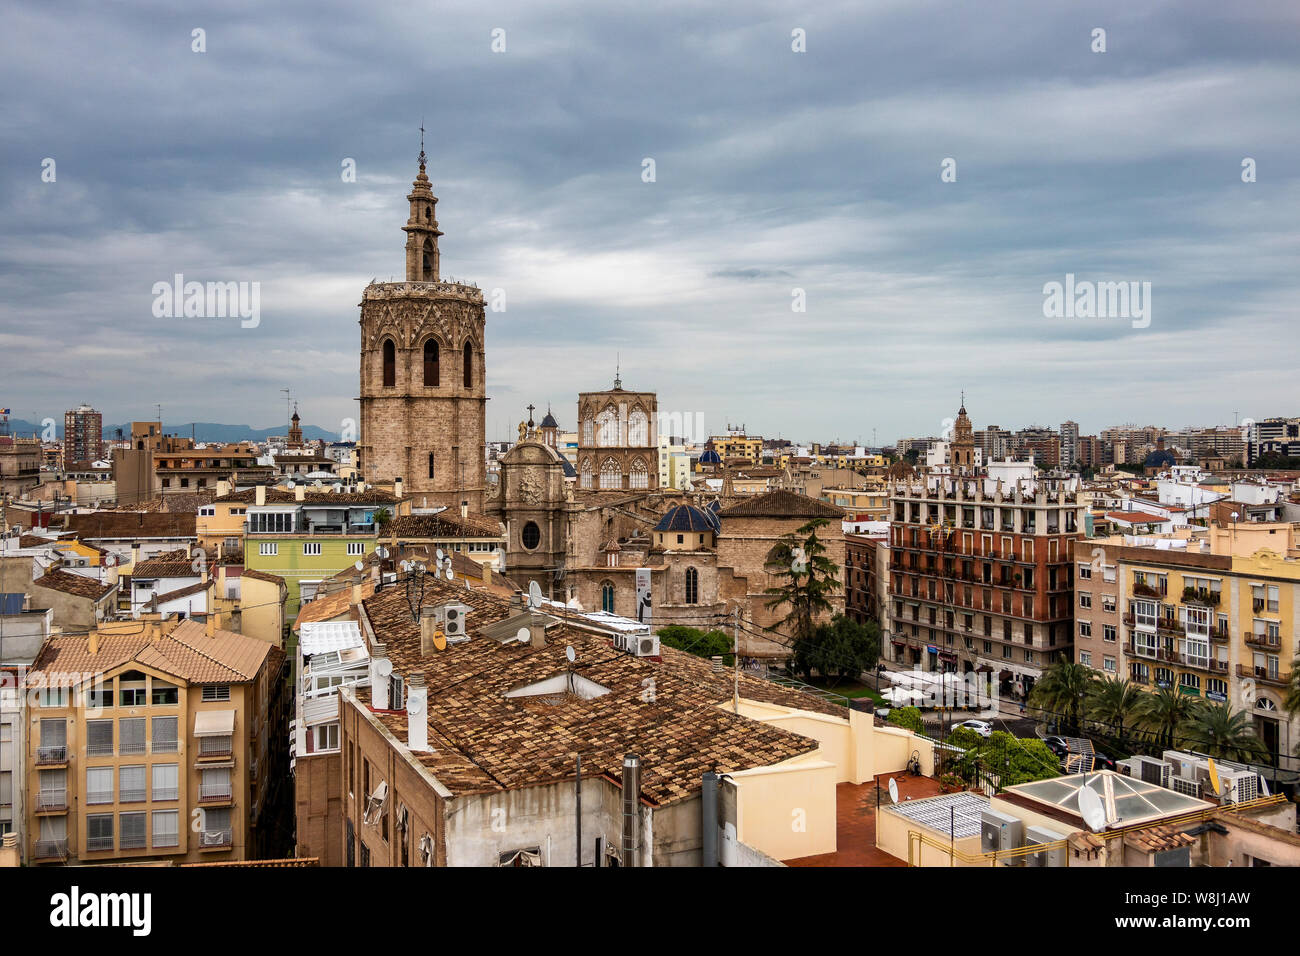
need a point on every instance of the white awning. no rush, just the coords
(214, 723)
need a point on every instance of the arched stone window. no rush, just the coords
(426, 260)
(430, 464)
(692, 586)
(611, 476)
(639, 476)
(607, 596)
(431, 370)
(390, 363)
(638, 429)
(586, 473)
(469, 365)
(588, 429)
(607, 429)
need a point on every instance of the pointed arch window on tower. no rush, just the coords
(607, 429)
(431, 363)
(638, 429)
(586, 473)
(640, 475)
(430, 464)
(607, 597)
(390, 363)
(469, 365)
(426, 260)
(611, 476)
(587, 431)
(692, 586)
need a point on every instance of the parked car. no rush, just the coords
(981, 727)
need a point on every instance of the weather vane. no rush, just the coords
(422, 157)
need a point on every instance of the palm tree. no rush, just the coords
(1292, 701)
(1115, 701)
(1062, 689)
(1165, 712)
(1222, 732)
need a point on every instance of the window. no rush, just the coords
(588, 430)
(215, 692)
(692, 586)
(100, 696)
(166, 828)
(390, 363)
(431, 468)
(531, 536)
(1144, 614)
(99, 739)
(130, 732)
(99, 784)
(326, 737)
(431, 376)
(130, 784)
(586, 472)
(1085, 571)
(162, 694)
(268, 549)
(1216, 688)
(216, 827)
(1108, 665)
(611, 475)
(356, 548)
(99, 832)
(311, 547)
(1108, 633)
(1085, 658)
(1085, 629)
(214, 784)
(607, 429)
(639, 476)
(166, 785)
(638, 430)
(1085, 599)
(164, 735)
(469, 365)
(132, 827)
(1144, 644)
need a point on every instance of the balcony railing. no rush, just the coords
(132, 796)
(47, 755)
(215, 839)
(1263, 640)
(215, 746)
(99, 796)
(166, 793)
(1281, 678)
(99, 750)
(50, 850)
(214, 792)
(51, 800)
(96, 844)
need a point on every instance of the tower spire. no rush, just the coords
(422, 232)
(422, 157)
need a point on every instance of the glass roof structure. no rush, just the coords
(1127, 800)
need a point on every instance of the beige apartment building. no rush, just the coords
(152, 741)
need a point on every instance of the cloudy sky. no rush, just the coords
(775, 171)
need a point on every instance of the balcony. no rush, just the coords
(1262, 641)
(99, 844)
(99, 796)
(1196, 596)
(51, 755)
(215, 793)
(132, 796)
(52, 801)
(215, 747)
(1279, 679)
(221, 839)
(50, 850)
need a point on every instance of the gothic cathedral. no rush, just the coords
(423, 383)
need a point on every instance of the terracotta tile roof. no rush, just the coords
(266, 576)
(329, 606)
(186, 652)
(183, 592)
(130, 524)
(1135, 517)
(483, 741)
(172, 564)
(1158, 838)
(445, 524)
(781, 503)
(77, 584)
(174, 503)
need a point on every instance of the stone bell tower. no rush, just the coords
(423, 388)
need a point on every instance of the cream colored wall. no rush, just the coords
(261, 610)
(892, 830)
(787, 811)
(892, 748)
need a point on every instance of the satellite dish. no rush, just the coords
(383, 667)
(1263, 785)
(414, 705)
(568, 652)
(440, 640)
(359, 564)
(1214, 777)
(534, 594)
(893, 791)
(289, 483)
(449, 574)
(523, 634)
(439, 554)
(1094, 814)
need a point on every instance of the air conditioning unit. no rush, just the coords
(1239, 787)
(999, 831)
(1184, 764)
(1187, 786)
(451, 618)
(646, 645)
(1052, 857)
(1129, 767)
(1151, 770)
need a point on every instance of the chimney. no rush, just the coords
(356, 590)
(260, 496)
(380, 668)
(299, 492)
(397, 487)
(464, 508)
(210, 624)
(537, 633)
(135, 553)
(417, 721)
(631, 808)
(223, 487)
(93, 641)
(428, 627)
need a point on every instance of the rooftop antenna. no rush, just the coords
(618, 368)
(422, 156)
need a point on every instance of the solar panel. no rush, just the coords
(958, 813)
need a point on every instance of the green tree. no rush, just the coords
(704, 644)
(841, 648)
(383, 516)
(1165, 713)
(909, 718)
(1114, 701)
(1292, 701)
(1222, 732)
(1016, 761)
(811, 578)
(1063, 688)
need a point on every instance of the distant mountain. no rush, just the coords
(203, 431)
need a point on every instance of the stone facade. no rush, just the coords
(423, 384)
(618, 440)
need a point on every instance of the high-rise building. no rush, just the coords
(423, 387)
(83, 435)
(1069, 443)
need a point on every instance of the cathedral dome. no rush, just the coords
(688, 518)
(710, 457)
